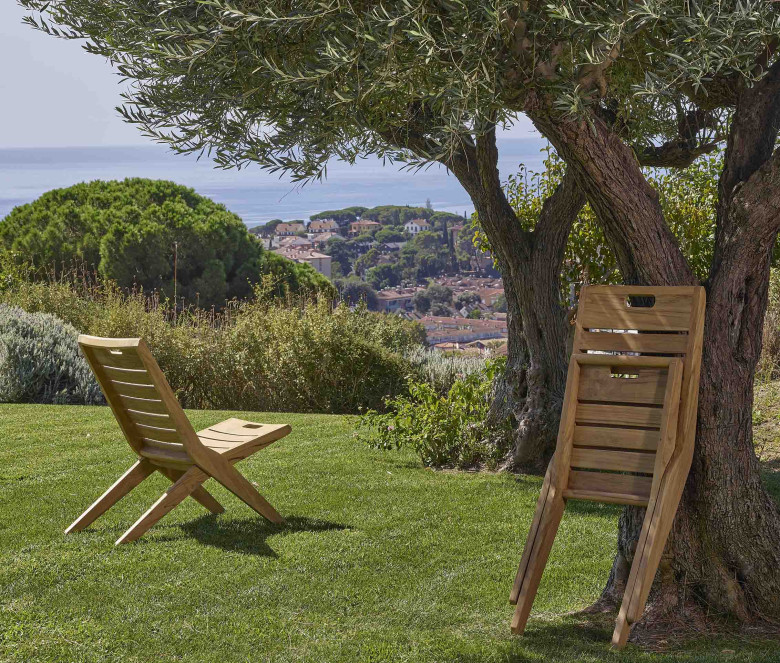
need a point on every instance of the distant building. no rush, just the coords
(323, 226)
(290, 228)
(319, 261)
(393, 246)
(294, 243)
(359, 227)
(395, 300)
(462, 330)
(321, 239)
(416, 226)
(490, 295)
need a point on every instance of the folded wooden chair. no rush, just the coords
(163, 438)
(627, 428)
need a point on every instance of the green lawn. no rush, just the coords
(382, 560)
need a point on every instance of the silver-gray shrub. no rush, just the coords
(441, 370)
(40, 361)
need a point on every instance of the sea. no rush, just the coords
(254, 194)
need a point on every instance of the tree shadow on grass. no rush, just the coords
(249, 535)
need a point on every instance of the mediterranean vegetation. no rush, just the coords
(619, 90)
(150, 234)
(263, 353)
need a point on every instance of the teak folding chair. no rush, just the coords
(627, 430)
(163, 438)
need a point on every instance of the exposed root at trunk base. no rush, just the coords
(668, 625)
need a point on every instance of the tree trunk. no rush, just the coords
(530, 262)
(723, 556)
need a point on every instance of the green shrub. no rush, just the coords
(40, 361)
(442, 430)
(441, 370)
(295, 354)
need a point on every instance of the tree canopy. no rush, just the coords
(379, 78)
(132, 231)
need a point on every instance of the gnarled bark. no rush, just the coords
(530, 262)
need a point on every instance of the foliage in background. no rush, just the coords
(687, 196)
(40, 361)
(295, 354)
(131, 232)
(769, 365)
(447, 429)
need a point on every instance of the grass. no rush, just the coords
(382, 560)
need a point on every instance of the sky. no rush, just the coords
(61, 96)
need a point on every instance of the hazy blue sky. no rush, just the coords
(55, 94)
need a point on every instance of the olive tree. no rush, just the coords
(612, 85)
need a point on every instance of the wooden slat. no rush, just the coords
(607, 383)
(152, 405)
(137, 390)
(607, 308)
(618, 438)
(612, 488)
(121, 358)
(151, 419)
(210, 434)
(622, 461)
(172, 456)
(618, 415)
(159, 434)
(627, 342)
(133, 375)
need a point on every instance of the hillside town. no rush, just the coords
(415, 263)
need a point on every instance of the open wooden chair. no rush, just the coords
(162, 437)
(627, 428)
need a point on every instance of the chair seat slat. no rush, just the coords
(618, 415)
(601, 484)
(604, 341)
(619, 438)
(641, 386)
(602, 459)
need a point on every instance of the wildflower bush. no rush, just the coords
(40, 361)
(263, 353)
(447, 429)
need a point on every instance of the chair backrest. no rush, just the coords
(648, 320)
(142, 400)
(632, 392)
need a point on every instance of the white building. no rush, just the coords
(416, 226)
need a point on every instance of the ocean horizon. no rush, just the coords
(255, 195)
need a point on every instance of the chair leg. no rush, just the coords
(537, 558)
(237, 484)
(540, 505)
(650, 547)
(129, 480)
(180, 490)
(200, 494)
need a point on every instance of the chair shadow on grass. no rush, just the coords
(249, 535)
